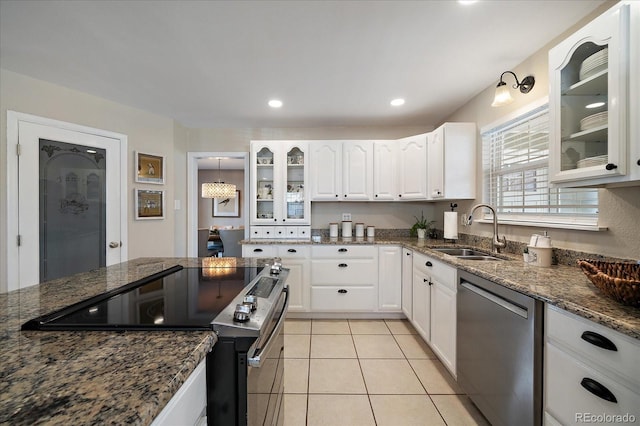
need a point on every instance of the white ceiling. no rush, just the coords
(333, 63)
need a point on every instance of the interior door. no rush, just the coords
(69, 202)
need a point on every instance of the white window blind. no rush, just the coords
(516, 170)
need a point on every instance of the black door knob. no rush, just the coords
(610, 166)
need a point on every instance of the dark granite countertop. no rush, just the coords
(68, 377)
(560, 285)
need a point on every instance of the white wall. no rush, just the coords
(146, 132)
(619, 209)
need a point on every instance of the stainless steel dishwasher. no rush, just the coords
(499, 354)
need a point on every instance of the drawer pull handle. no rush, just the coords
(429, 263)
(599, 341)
(292, 251)
(342, 265)
(257, 250)
(342, 291)
(598, 390)
(342, 250)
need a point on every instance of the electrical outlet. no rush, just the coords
(346, 216)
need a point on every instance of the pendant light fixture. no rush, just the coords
(503, 95)
(218, 189)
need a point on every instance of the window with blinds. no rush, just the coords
(516, 171)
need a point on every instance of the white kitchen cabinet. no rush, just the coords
(590, 145)
(451, 162)
(295, 257)
(326, 170)
(407, 282)
(421, 300)
(279, 171)
(188, 405)
(385, 170)
(412, 168)
(357, 171)
(344, 278)
(390, 278)
(586, 367)
(434, 306)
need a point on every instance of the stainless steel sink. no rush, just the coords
(467, 254)
(479, 257)
(460, 252)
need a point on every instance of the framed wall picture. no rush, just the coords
(227, 207)
(149, 168)
(149, 204)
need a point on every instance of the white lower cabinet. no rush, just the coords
(390, 278)
(434, 306)
(344, 278)
(590, 372)
(407, 283)
(188, 405)
(295, 257)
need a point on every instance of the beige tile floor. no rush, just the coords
(370, 373)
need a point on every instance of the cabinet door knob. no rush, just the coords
(428, 263)
(284, 220)
(376, 195)
(598, 389)
(399, 195)
(342, 291)
(408, 254)
(275, 220)
(336, 195)
(598, 340)
(610, 166)
(424, 280)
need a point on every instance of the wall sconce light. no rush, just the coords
(503, 96)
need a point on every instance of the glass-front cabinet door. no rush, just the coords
(278, 192)
(588, 102)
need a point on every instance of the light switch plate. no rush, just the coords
(346, 216)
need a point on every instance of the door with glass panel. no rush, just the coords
(69, 202)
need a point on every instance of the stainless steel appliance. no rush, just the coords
(245, 306)
(499, 351)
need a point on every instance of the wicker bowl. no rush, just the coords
(618, 280)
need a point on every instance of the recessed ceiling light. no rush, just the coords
(467, 2)
(397, 102)
(275, 103)
(595, 105)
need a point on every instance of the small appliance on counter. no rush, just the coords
(539, 250)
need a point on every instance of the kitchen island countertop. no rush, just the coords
(563, 286)
(98, 377)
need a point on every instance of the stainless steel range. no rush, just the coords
(245, 306)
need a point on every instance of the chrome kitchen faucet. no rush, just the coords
(496, 243)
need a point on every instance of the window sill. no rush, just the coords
(553, 225)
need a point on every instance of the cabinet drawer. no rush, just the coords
(345, 298)
(293, 251)
(575, 333)
(258, 250)
(345, 271)
(437, 270)
(339, 251)
(566, 398)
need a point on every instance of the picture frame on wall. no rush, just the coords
(149, 204)
(226, 207)
(150, 168)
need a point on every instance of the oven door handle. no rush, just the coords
(256, 359)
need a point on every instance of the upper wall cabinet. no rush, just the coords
(451, 162)
(279, 171)
(341, 170)
(593, 104)
(412, 168)
(384, 170)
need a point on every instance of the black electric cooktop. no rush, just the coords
(175, 299)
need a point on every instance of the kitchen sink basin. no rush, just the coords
(460, 252)
(467, 254)
(479, 257)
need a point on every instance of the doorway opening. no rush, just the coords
(202, 167)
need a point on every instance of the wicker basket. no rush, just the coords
(618, 280)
